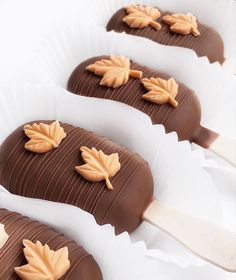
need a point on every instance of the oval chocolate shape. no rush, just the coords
(184, 119)
(52, 176)
(18, 227)
(208, 43)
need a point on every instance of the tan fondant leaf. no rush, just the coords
(43, 263)
(3, 236)
(161, 91)
(115, 71)
(142, 16)
(43, 137)
(182, 24)
(99, 166)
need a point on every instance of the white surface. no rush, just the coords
(23, 24)
(226, 148)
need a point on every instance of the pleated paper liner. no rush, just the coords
(62, 51)
(163, 152)
(217, 14)
(189, 184)
(117, 256)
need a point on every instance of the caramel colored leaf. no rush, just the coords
(161, 91)
(142, 16)
(182, 24)
(43, 137)
(115, 71)
(99, 166)
(3, 236)
(43, 263)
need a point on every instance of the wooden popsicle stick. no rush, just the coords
(225, 148)
(210, 242)
(218, 144)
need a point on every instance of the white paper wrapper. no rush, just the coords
(184, 178)
(117, 256)
(111, 252)
(21, 105)
(218, 14)
(64, 50)
(187, 182)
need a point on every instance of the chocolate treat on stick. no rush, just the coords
(164, 100)
(166, 28)
(34, 251)
(59, 162)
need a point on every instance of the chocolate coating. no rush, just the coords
(52, 176)
(184, 119)
(18, 227)
(209, 43)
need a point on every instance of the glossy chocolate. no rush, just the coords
(209, 43)
(184, 119)
(52, 176)
(18, 227)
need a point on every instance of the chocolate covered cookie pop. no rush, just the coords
(54, 175)
(164, 100)
(34, 251)
(63, 163)
(166, 28)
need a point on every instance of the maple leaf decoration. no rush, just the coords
(3, 236)
(43, 263)
(99, 166)
(43, 137)
(161, 91)
(115, 71)
(142, 16)
(182, 24)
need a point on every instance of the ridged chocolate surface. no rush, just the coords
(185, 119)
(209, 43)
(18, 227)
(52, 176)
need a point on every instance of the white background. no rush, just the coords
(23, 24)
